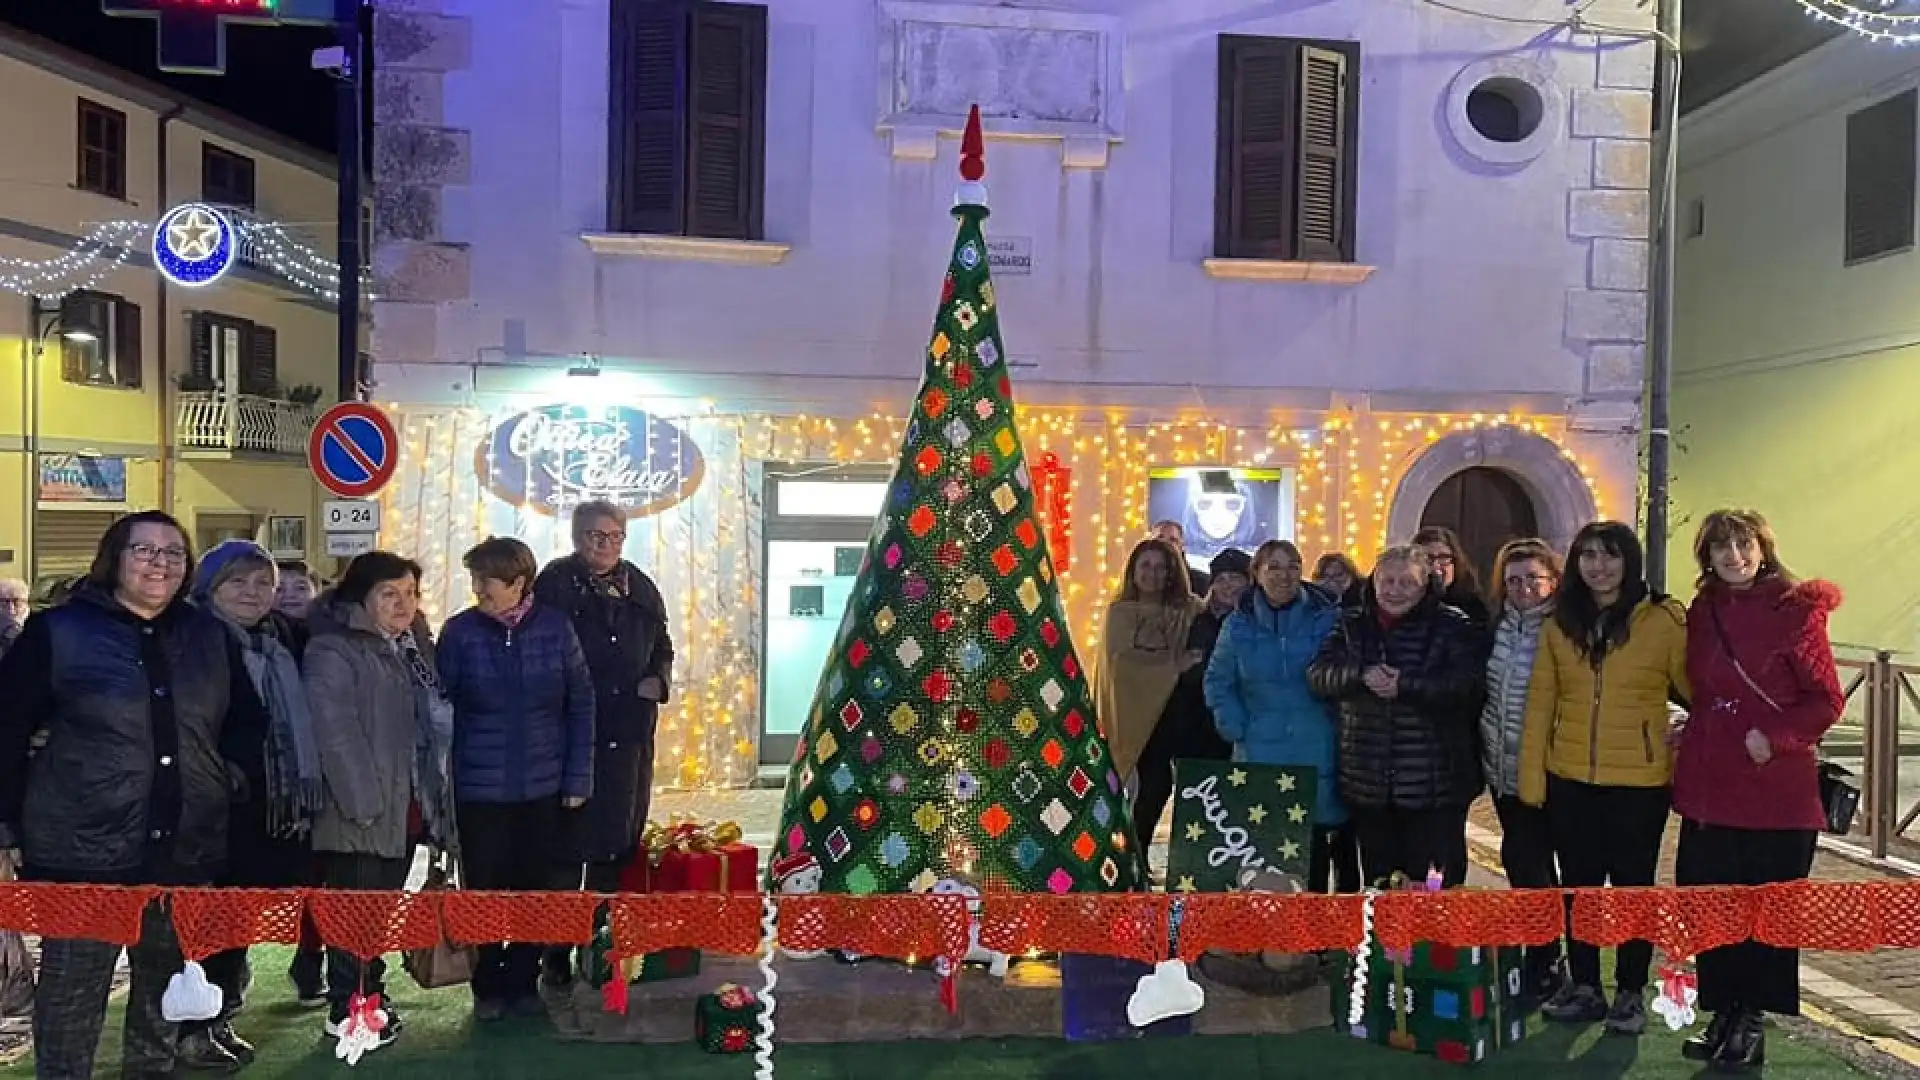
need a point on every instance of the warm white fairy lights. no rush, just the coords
(1895, 22)
(705, 553)
(267, 245)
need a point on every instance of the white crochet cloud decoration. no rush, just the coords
(1167, 993)
(189, 996)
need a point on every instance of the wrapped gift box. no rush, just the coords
(1459, 1005)
(653, 967)
(687, 857)
(726, 1020)
(1094, 991)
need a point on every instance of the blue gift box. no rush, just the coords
(1093, 1000)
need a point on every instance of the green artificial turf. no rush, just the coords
(440, 1041)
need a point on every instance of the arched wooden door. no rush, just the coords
(1487, 508)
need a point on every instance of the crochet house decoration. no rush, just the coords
(952, 733)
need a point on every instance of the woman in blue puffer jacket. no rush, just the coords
(1257, 688)
(523, 722)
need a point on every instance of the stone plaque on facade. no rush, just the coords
(1032, 72)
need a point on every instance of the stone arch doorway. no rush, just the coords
(1485, 507)
(1559, 498)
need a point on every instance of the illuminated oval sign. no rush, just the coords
(550, 458)
(195, 245)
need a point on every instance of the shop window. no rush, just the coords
(226, 178)
(1880, 183)
(109, 352)
(102, 167)
(687, 118)
(1284, 149)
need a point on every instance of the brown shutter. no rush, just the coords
(73, 364)
(647, 116)
(200, 349)
(128, 355)
(260, 372)
(726, 160)
(1323, 225)
(1255, 173)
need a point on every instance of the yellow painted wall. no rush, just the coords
(42, 210)
(223, 487)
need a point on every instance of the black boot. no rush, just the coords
(1705, 1045)
(1746, 1047)
(199, 1052)
(227, 1039)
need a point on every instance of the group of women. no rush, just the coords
(167, 726)
(1587, 705)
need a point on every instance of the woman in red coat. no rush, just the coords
(1746, 783)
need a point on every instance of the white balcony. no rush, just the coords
(214, 423)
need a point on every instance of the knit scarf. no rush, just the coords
(293, 756)
(432, 746)
(512, 616)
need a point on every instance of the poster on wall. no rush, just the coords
(1221, 508)
(287, 537)
(82, 478)
(550, 458)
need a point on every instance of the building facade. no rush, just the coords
(1326, 273)
(1795, 323)
(194, 400)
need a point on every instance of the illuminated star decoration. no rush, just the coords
(194, 245)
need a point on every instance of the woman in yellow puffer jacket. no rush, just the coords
(1594, 748)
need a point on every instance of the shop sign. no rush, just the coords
(82, 478)
(549, 458)
(1010, 255)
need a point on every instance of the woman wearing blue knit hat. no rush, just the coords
(268, 835)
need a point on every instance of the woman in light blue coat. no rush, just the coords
(1256, 685)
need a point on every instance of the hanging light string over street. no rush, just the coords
(267, 245)
(1875, 20)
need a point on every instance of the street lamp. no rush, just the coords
(73, 323)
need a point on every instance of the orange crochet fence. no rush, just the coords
(1844, 916)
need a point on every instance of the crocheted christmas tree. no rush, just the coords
(952, 733)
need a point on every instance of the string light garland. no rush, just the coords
(706, 553)
(1875, 20)
(270, 246)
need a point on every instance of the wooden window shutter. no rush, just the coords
(73, 361)
(647, 135)
(200, 349)
(128, 356)
(1255, 174)
(1880, 177)
(1323, 221)
(726, 151)
(260, 372)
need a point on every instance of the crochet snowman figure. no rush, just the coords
(797, 874)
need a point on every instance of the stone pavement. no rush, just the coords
(1877, 992)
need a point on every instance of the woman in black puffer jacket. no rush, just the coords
(1406, 672)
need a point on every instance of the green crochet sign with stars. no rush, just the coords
(1232, 819)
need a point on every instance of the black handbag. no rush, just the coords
(1839, 795)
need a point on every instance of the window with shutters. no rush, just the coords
(1284, 159)
(687, 118)
(102, 167)
(1880, 178)
(226, 177)
(230, 354)
(99, 340)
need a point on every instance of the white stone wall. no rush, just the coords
(1493, 277)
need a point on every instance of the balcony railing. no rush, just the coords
(218, 421)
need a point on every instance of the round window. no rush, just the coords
(1504, 109)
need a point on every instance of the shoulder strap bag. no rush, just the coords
(1839, 796)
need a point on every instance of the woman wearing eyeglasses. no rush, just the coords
(153, 730)
(1526, 575)
(1143, 652)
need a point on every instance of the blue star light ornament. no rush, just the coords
(195, 245)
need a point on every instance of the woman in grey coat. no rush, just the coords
(384, 729)
(1526, 575)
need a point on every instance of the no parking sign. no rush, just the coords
(353, 450)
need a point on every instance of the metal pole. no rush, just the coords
(348, 124)
(1660, 291)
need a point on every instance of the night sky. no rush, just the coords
(269, 79)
